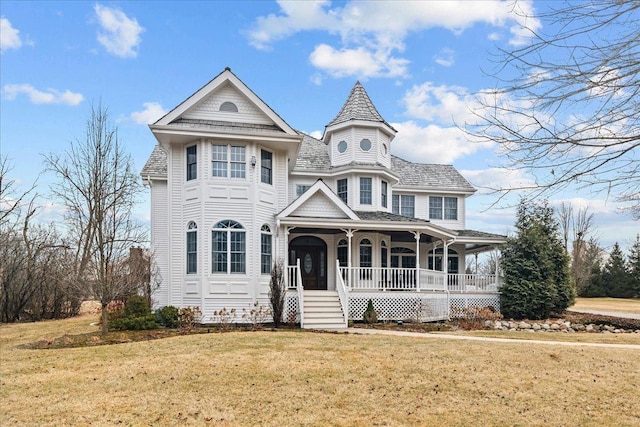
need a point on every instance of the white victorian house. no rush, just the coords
(235, 188)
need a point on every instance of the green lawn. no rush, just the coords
(304, 378)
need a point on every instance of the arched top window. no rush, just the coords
(192, 226)
(228, 223)
(365, 242)
(265, 228)
(402, 251)
(342, 242)
(383, 244)
(229, 107)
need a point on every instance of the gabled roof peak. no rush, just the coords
(358, 107)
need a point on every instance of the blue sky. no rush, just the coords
(420, 62)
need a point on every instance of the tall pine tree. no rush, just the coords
(615, 277)
(536, 266)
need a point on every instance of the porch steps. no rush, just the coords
(322, 310)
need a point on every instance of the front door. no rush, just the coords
(312, 253)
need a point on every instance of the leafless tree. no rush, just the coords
(565, 219)
(566, 105)
(99, 188)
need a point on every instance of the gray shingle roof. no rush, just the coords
(156, 165)
(479, 234)
(358, 107)
(387, 216)
(429, 175)
(313, 155)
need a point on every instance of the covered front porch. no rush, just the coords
(419, 274)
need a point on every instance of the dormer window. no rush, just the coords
(342, 146)
(365, 144)
(229, 107)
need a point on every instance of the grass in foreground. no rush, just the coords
(608, 304)
(294, 378)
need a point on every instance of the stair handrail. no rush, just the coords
(343, 294)
(300, 292)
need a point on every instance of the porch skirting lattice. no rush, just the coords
(414, 306)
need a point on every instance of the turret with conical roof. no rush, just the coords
(359, 134)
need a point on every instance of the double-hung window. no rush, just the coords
(265, 249)
(365, 191)
(266, 167)
(300, 189)
(228, 248)
(343, 190)
(228, 161)
(192, 248)
(383, 194)
(404, 204)
(192, 162)
(443, 208)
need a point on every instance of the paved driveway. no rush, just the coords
(607, 313)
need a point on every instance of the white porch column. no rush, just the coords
(349, 234)
(497, 267)
(417, 234)
(445, 263)
(286, 254)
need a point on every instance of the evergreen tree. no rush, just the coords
(615, 276)
(634, 267)
(536, 266)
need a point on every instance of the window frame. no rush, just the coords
(366, 190)
(191, 248)
(344, 192)
(192, 163)
(233, 237)
(266, 249)
(230, 160)
(266, 167)
(383, 193)
(301, 189)
(400, 205)
(439, 210)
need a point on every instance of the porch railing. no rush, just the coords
(292, 276)
(393, 279)
(404, 279)
(343, 294)
(473, 283)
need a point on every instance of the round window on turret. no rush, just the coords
(365, 145)
(342, 146)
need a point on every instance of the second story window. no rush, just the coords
(343, 190)
(192, 162)
(228, 161)
(383, 194)
(266, 167)
(301, 189)
(443, 208)
(365, 191)
(404, 204)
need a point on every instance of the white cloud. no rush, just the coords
(433, 143)
(496, 179)
(151, 113)
(50, 96)
(120, 34)
(9, 36)
(361, 62)
(446, 57)
(376, 30)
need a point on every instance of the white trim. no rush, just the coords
(319, 186)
